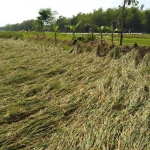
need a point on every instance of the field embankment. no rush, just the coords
(56, 100)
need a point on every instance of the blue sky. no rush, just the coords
(16, 11)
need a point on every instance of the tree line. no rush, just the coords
(135, 19)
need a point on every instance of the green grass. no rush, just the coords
(56, 100)
(11, 34)
(129, 39)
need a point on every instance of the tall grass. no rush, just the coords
(53, 99)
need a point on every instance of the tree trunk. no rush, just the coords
(55, 36)
(112, 35)
(73, 36)
(43, 33)
(121, 37)
(101, 37)
(92, 37)
(122, 15)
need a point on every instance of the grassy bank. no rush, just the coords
(57, 100)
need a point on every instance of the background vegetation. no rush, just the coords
(136, 19)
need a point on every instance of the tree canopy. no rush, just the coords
(135, 19)
(46, 17)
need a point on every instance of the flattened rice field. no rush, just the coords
(56, 100)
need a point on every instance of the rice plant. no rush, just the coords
(53, 99)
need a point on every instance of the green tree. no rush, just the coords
(73, 28)
(55, 28)
(125, 2)
(26, 25)
(46, 17)
(85, 20)
(36, 26)
(134, 19)
(61, 21)
(97, 17)
(146, 20)
(112, 33)
(110, 15)
(101, 30)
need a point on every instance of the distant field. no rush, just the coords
(140, 39)
(57, 99)
(129, 39)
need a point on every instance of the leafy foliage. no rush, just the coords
(46, 17)
(135, 20)
(55, 28)
(73, 28)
